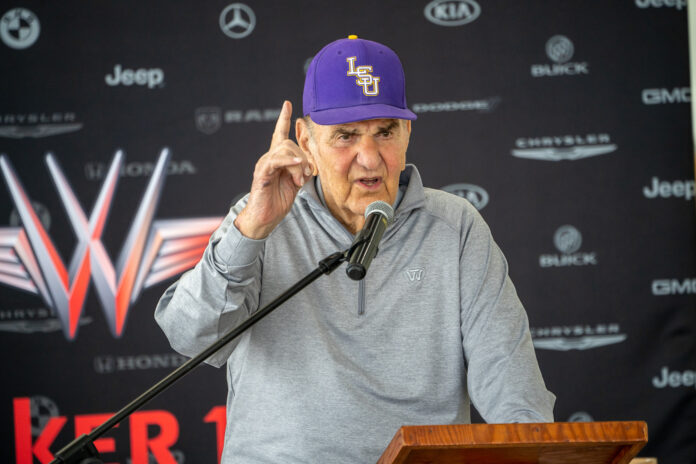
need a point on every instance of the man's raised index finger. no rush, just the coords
(282, 127)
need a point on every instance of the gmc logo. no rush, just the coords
(663, 287)
(664, 96)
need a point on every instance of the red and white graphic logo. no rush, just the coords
(152, 252)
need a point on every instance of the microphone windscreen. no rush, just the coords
(382, 208)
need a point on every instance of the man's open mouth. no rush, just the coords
(369, 181)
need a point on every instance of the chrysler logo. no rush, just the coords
(452, 13)
(576, 337)
(563, 147)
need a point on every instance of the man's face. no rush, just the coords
(358, 163)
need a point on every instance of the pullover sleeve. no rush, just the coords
(216, 295)
(503, 376)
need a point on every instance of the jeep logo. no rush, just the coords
(150, 77)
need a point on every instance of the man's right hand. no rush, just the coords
(278, 176)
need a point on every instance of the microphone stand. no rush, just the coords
(82, 450)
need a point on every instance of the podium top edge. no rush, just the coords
(516, 434)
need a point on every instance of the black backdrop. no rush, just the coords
(566, 123)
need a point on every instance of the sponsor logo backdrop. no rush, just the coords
(126, 134)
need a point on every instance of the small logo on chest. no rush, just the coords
(415, 274)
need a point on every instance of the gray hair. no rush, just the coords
(310, 125)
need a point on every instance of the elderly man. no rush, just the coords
(330, 376)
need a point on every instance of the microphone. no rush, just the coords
(378, 215)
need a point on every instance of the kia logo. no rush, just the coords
(451, 12)
(476, 195)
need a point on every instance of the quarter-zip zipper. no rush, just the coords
(361, 297)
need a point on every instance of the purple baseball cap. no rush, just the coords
(355, 79)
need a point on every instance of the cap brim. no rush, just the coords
(360, 113)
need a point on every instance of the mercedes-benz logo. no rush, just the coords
(237, 20)
(567, 239)
(19, 28)
(559, 48)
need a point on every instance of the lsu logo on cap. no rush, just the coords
(363, 77)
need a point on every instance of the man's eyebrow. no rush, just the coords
(344, 131)
(394, 123)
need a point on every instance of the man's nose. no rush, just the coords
(368, 155)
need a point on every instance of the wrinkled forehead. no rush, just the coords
(365, 125)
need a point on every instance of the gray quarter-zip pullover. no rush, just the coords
(331, 375)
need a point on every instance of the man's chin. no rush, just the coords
(369, 199)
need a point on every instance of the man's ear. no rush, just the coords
(305, 140)
(407, 124)
(303, 135)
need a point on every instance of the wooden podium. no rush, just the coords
(552, 443)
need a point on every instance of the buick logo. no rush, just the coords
(208, 119)
(559, 48)
(475, 194)
(452, 12)
(237, 20)
(19, 28)
(567, 239)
